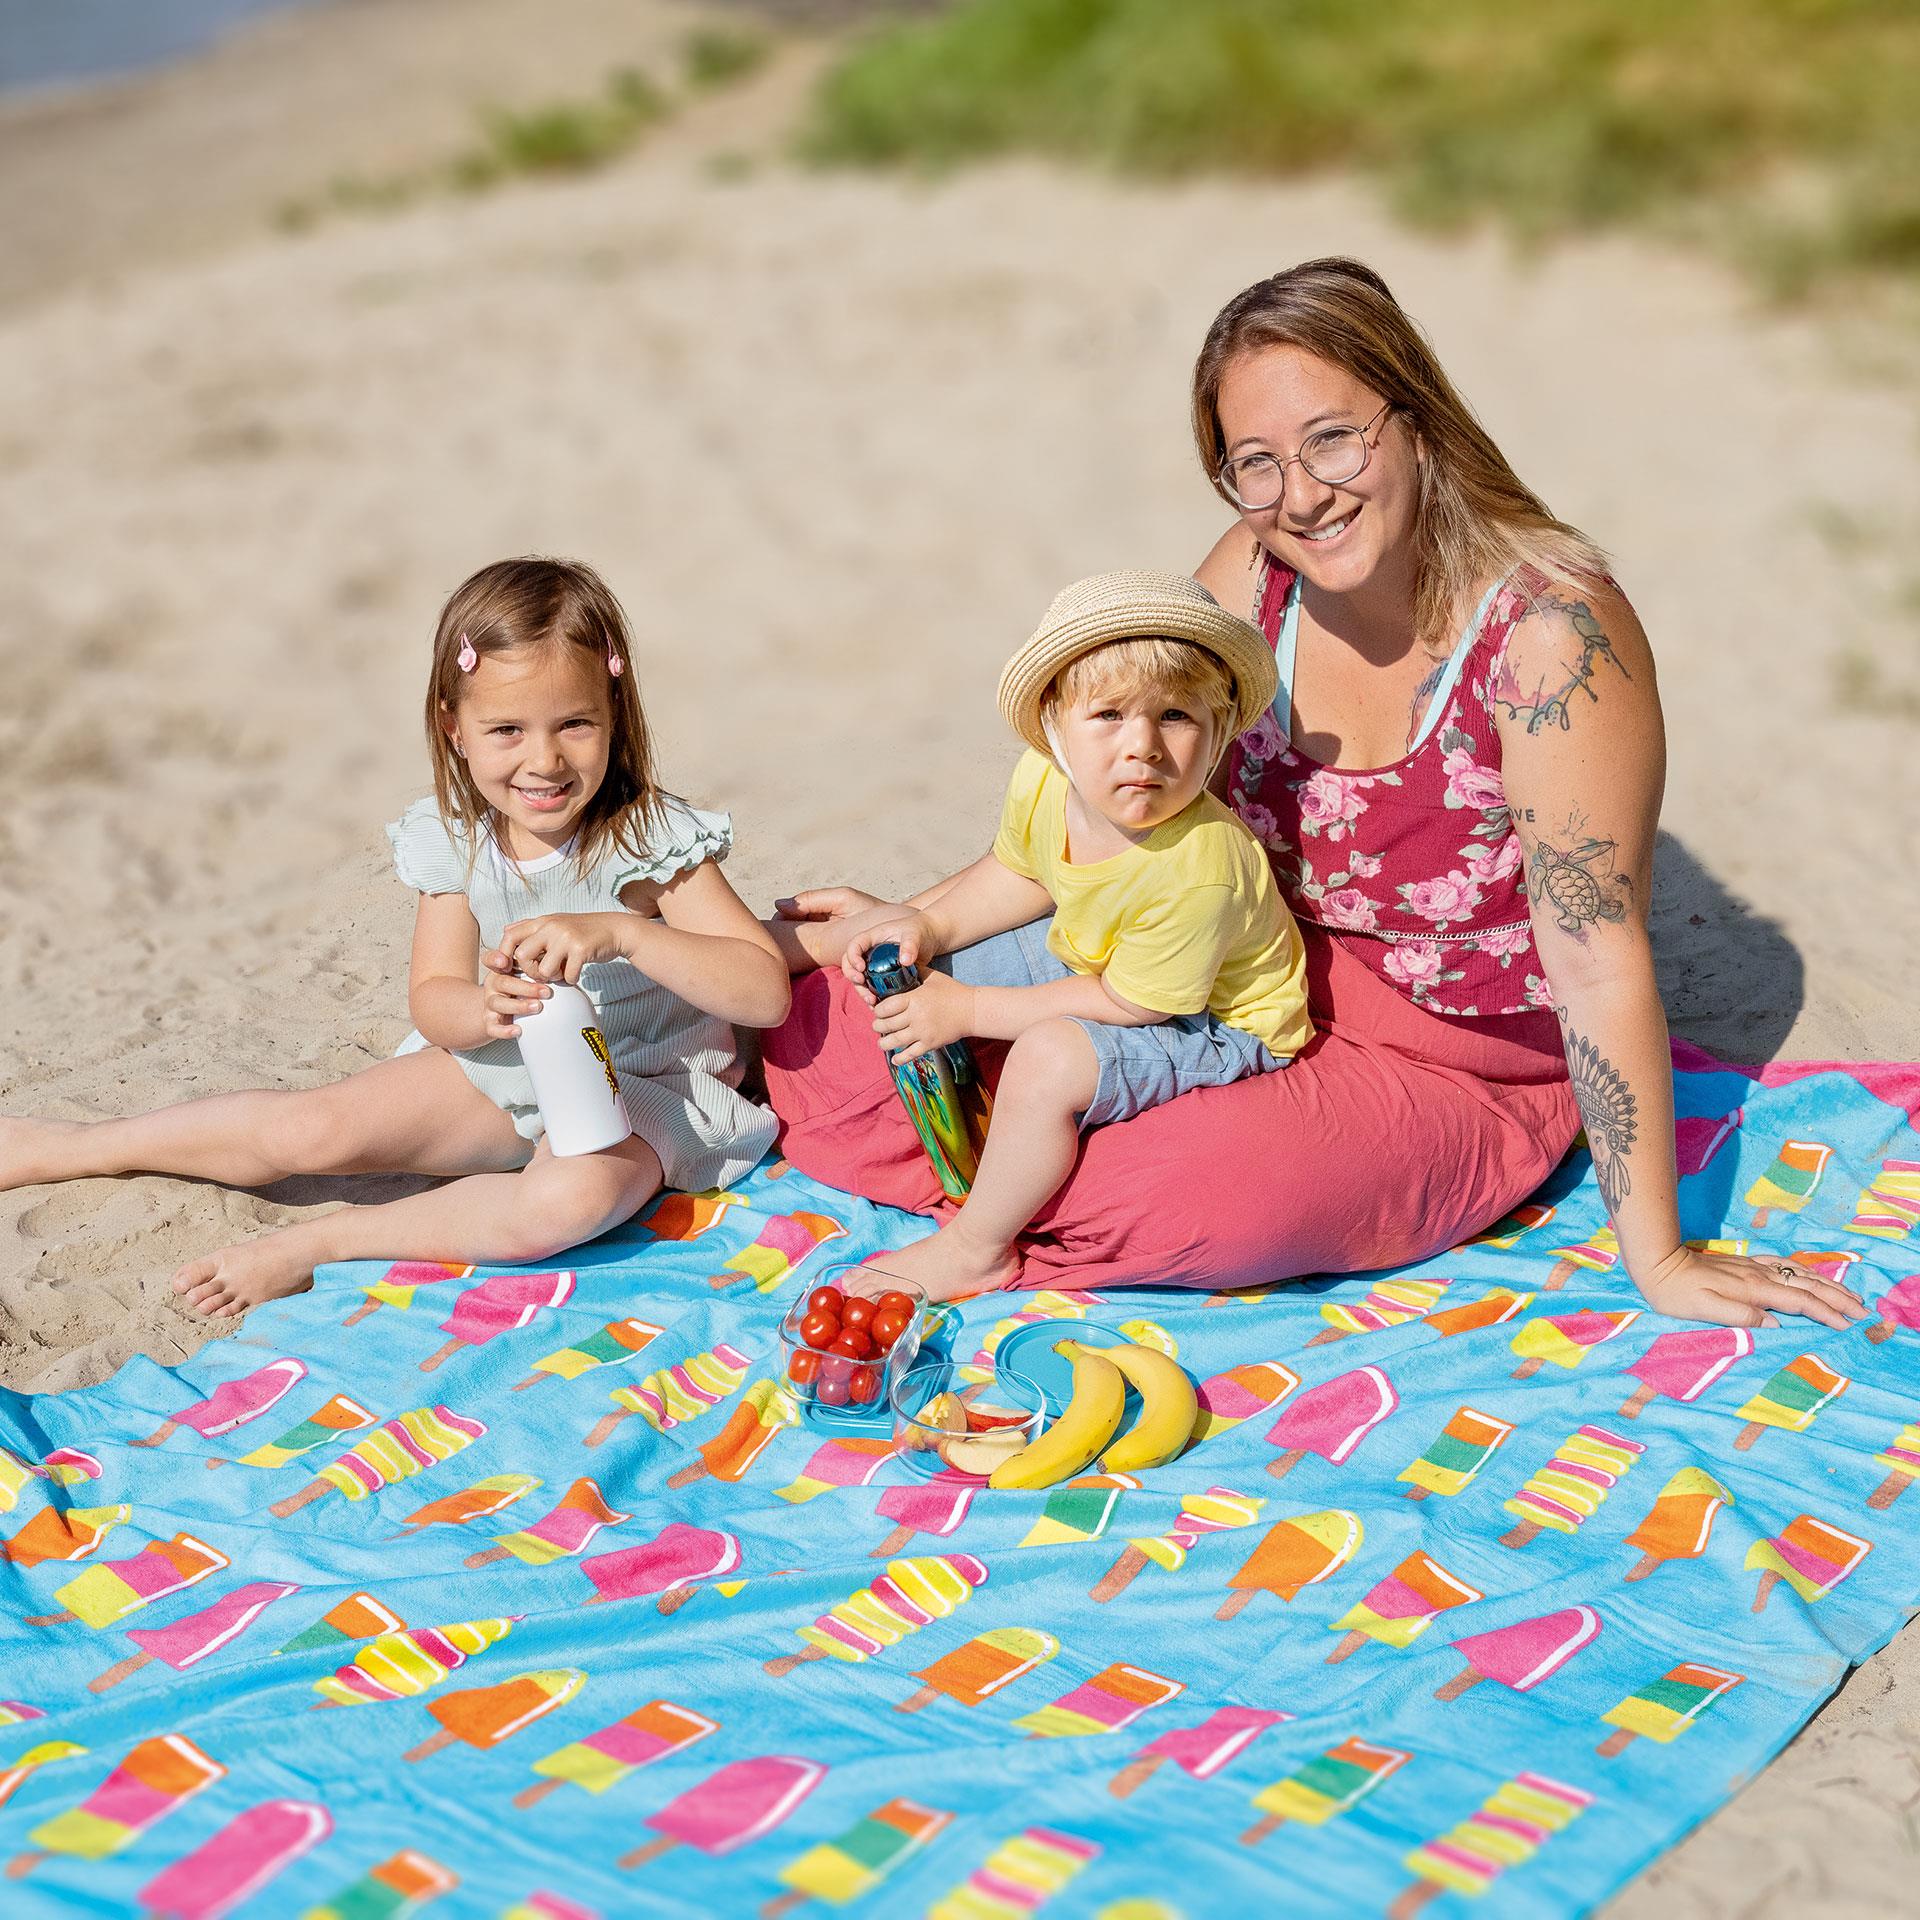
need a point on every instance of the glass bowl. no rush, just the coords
(850, 1386)
(960, 1421)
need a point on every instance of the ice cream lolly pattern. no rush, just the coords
(564, 1643)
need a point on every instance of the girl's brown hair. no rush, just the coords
(1476, 521)
(540, 603)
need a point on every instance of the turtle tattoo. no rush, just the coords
(1568, 882)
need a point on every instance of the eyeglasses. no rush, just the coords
(1333, 456)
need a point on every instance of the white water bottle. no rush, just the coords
(573, 1077)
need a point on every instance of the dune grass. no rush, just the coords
(1787, 128)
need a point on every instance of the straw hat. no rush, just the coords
(1132, 605)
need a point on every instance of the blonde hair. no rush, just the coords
(537, 603)
(1147, 663)
(1476, 521)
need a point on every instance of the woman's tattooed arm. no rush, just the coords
(1608, 1107)
(1570, 671)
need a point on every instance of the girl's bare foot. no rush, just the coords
(239, 1277)
(949, 1266)
(29, 1151)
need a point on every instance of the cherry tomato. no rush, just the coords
(887, 1328)
(826, 1300)
(894, 1301)
(819, 1329)
(831, 1388)
(857, 1313)
(804, 1365)
(853, 1343)
(863, 1387)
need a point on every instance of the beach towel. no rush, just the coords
(531, 1593)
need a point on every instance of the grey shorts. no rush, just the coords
(1140, 1067)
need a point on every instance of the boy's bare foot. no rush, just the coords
(949, 1266)
(29, 1151)
(239, 1277)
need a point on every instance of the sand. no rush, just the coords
(835, 441)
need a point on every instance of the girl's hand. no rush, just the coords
(907, 928)
(1733, 1290)
(825, 903)
(555, 946)
(936, 1012)
(507, 998)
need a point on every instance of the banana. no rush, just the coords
(1093, 1412)
(1168, 1409)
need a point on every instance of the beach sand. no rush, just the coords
(835, 441)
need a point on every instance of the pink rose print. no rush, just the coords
(1259, 821)
(1488, 864)
(1505, 943)
(1329, 804)
(1364, 866)
(1450, 897)
(1414, 963)
(1263, 739)
(1539, 994)
(1469, 784)
(1350, 908)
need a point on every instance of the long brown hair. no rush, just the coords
(535, 602)
(1476, 521)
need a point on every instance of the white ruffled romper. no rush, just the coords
(679, 1068)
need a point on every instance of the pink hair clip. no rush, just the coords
(466, 657)
(615, 665)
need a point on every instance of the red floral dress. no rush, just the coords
(1414, 866)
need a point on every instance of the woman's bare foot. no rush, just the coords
(30, 1151)
(239, 1277)
(949, 1266)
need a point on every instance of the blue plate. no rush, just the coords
(1029, 1350)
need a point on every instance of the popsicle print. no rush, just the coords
(740, 1803)
(1791, 1400)
(14, 1474)
(335, 1415)
(1698, 1138)
(1490, 1310)
(935, 1506)
(233, 1403)
(1889, 1207)
(401, 1666)
(397, 1286)
(672, 1564)
(183, 1644)
(156, 1778)
(1811, 1556)
(1387, 1303)
(396, 1889)
(1517, 1819)
(1902, 1462)
(845, 1460)
(874, 1847)
(358, 1617)
(987, 1664)
(610, 1346)
(1019, 1877)
(765, 1409)
(1238, 1394)
(485, 1716)
(1572, 1486)
(250, 1852)
(503, 1304)
(1295, 1554)
(1326, 1787)
(396, 1451)
(1150, 1333)
(1520, 1656)
(1665, 1708)
(907, 1597)
(1402, 1607)
(1681, 1521)
(1111, 1699)
(1898, 1307)
(63, 1533)
(17, 1713)
(1684, 1364)
(1219, 1509)
(565, 1529)
(1791, 1181)
(540, 1905)
(1529, 1217)
(1465, 1444)
(480, 1501)
(15, 1775)
(607, 1757)
(675, 1395)
(1331, 1419)
(105, 1594)
(780, 1248)
(1047, 1303)
(1079, 1510)
(686, 1216)
(1597, 1254)
(1566, 1339)
(1199, 1752)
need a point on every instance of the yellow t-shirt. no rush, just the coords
(1187, 921)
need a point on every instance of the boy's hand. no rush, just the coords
(935, 1013)
(555, 946)
(506, 998)
(909, 929)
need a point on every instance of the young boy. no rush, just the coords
(1170, 962)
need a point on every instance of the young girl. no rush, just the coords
(547, 850)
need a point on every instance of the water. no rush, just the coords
(48, 42)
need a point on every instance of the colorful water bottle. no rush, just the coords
(573, 1077)
(942, 1091)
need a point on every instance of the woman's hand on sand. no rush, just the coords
(555, 946)
(1733, 1290)
(507, 998)
(936, 1013)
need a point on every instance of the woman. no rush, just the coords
(1458, 786)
